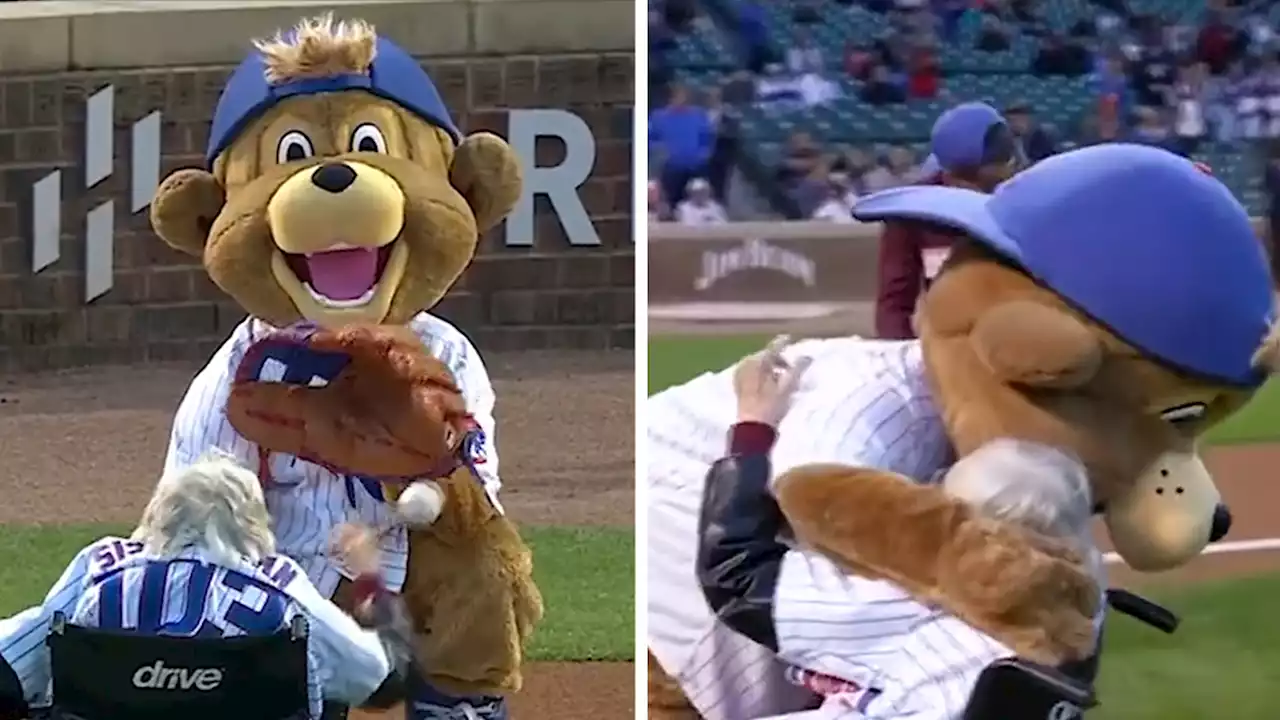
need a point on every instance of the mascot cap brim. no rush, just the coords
(1141, 240)
(394, 75)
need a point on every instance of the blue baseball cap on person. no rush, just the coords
(394, 75)
(1143, 241)
(959, 137)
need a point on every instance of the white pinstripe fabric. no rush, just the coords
(347, 663)
(861, 402)
(307, 501)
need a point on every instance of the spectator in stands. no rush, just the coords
(1190, 122)
(739, 89)
(804, 57)
(897, 168)
(1258, 99)
(836, 202)
(699, 208)
(1102, 127)
(858, 61)
(1035, 143)
(679, 14)
(853, 164)
(1152, 73)
(923, 79)
(658, 209)
(1217, 44)
(806, 12)
(880, 89)
(1112, 85)
(682, 137)
(994, 35)
(950, 13)
(1272, 183)
(724, 149)
(662, 43)
(1152, 128)
(1061, 57)
(753, 35)
(1221, 95)
(802, 157)
(973, 148)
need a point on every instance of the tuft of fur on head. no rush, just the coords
(319, 47)
(214, 505)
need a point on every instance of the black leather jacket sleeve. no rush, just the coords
(739, 554)
(13, 702)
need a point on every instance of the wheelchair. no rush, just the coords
(1013, 689)
(105, 675)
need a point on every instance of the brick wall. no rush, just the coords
(163, 307)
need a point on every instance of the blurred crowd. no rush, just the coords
(1167, 84)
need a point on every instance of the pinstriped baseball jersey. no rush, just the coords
(307, 501)
(112, 584)
(860, 402)
(908, 660)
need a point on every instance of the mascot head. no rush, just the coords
(1113, 302)
(337, 187)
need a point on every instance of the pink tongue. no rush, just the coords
(343, 274)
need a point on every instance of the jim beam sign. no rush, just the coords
(754, 254)
(756, 269)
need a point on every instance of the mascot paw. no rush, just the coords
(421, 503)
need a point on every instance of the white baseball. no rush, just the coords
(421, 503)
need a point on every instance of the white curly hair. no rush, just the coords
(1034, 485)
(214, 504)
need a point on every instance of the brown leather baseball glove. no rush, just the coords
(364, 400)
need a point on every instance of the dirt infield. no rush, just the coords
(87, 447)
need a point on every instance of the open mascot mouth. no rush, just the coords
(342, 276)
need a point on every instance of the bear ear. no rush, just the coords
(487, 173)
(184, 208)
(1035, 345)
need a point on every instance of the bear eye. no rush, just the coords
(1183, 414)
(294, 146)
(368, 138)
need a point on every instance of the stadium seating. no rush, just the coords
(704, 57)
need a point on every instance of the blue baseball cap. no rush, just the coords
(1143, 241)
(959, 137)
(394, 75)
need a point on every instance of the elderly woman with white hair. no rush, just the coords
(863, 648)
(205, 542)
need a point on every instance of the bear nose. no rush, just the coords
(333, 177)
(1221, 523)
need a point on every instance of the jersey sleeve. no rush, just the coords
(870, 423)
(457, 352)
(350, 662)
(201, 421)
(22, 637)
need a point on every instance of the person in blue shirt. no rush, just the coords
(682, 136)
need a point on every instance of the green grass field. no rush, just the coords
(1224, 662)
(586, 577)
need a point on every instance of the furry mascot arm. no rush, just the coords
(1006, 582)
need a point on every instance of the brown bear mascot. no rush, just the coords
(1100, 311)
(339, 194)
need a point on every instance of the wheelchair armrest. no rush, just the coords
(1142, 609)
(1013, 688)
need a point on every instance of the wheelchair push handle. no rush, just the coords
(1140, 608)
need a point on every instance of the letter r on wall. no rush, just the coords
(559, 183)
